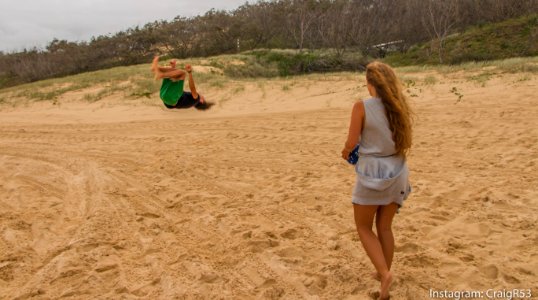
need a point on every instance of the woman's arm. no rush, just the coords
(355, 129)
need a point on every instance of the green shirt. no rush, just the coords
(171, 91)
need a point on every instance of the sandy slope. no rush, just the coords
(251, 199)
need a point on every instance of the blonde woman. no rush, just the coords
(382, 124)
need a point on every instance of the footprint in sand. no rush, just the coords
(270, 234)
(289, 234)
(525, 271)
(467, 257)
(407, 248)
(209, 277)
(258, 246)
(290, 252)
(273, 293)
(7, 270)
(315, 282)
(511, 279)
(149, 215)
(490, 271)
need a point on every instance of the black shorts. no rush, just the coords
(185, 101)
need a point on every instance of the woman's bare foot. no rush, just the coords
(386, 281)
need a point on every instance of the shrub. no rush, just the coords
(267, 63)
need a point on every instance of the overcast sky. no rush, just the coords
(36, 22)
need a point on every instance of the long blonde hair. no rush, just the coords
(389, 89)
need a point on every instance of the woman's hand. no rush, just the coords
(188, 68)
(345, 153)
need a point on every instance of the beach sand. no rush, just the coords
(128, 200)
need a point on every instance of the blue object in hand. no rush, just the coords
(353, 156)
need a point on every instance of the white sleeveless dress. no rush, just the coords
(382, 175)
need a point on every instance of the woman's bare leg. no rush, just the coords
(172, 66)
(165, 69)
(174, 74)
(364, 219)
(166, 72)
(383, 222)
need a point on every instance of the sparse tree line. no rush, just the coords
(297, 24)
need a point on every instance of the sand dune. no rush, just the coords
(251, 200)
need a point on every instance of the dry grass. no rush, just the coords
(136, 82)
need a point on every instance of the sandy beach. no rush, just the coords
(127, 200)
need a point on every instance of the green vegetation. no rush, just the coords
(481, 78)
(493, 41)
(408, 81)
(510, 65)
(143, 87)
(430, 80)
(137, 79)
(524, 78)
(454, 90)
(272, 63)
(238, 89)
(344, 25)
(481, 52)
(136, 82)
(250, 69)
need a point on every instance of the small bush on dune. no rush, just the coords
(143, 88)
(251, 69)
(271, 63)
(430, 80)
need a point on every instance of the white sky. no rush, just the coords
(36, 22)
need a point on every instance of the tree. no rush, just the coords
(333, 25)
(261, 25)
(301, 15)
(300, 24)
(439, 18)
